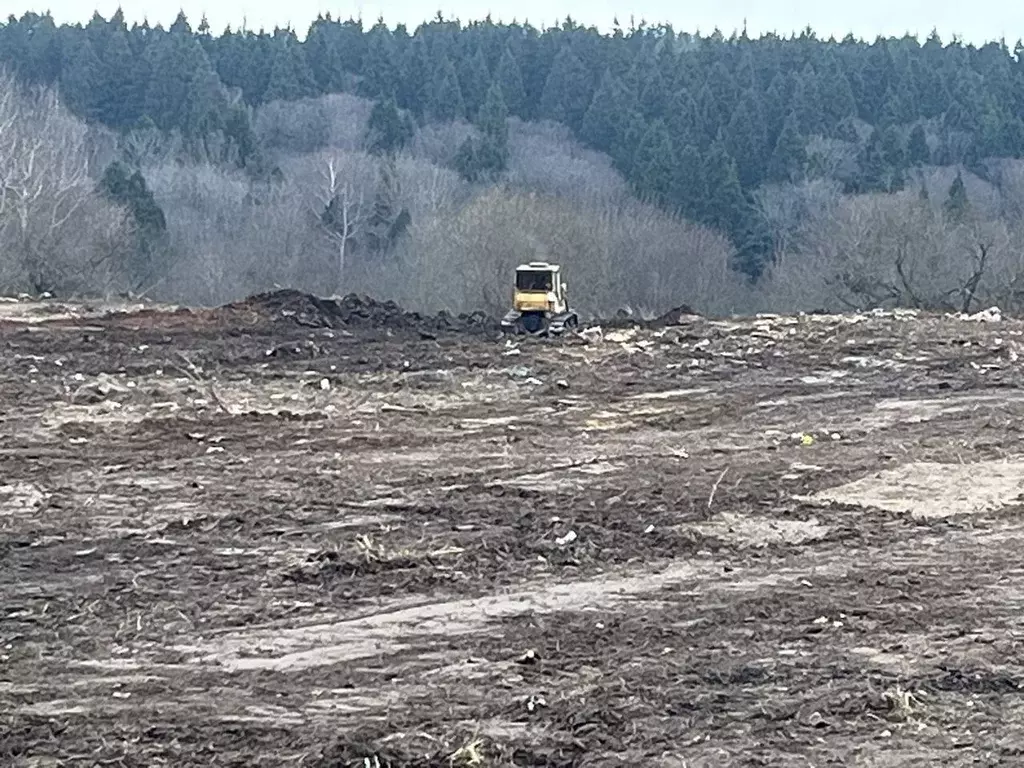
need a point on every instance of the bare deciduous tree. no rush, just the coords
(546, 158)
(896, 250)
(57, 233)
(784, 210)
(440, 143)
(341, 208)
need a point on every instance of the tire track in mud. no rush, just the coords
(391, 632)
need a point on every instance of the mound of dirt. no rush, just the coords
(680, 315)
(355, 311)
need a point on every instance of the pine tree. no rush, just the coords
(789, 158)
(446, 102)
(510, 79)
(882, 162)
(957, 205)
(184, 91)
(181, 25)
(717, 98)
(747, 141)
(682, 119)
(892, 149)
(205, 105)
(239, 132)
(711, 116)
(290, 78)
(838, 102)
(917, 147)
(232, 63)
(491, 156)
(991, 139)
(654, 98)
(603, 126)
(807, 102)
(487, 156)
(1014, 141)
(322, 54)
(689, 188)
(416, 82)
(352, 44)
(899, 105)
(380, 66)
(474, 80)
(466, 162)
(30, 48)
(130, 190)
(654, 164)
(624, 152)
(567, 92)
(80, 80)
(492, 118)
(776, 101)
(389, 130)
(385, 224)
(119, 89)
(725, 207)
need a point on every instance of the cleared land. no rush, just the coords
(296, 533)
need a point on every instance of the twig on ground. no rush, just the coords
(714, 488)
(196, 375)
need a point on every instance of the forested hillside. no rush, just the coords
(661, 167)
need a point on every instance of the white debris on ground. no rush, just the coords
(990, 315)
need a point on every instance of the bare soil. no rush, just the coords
(299, 532)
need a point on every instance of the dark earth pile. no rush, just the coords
(680, 315)
(356, 311)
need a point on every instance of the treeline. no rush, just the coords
(695, 124)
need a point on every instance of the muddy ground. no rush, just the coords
(277, 534)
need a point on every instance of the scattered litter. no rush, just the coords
(621, 337)
(519, 372)
(535, 702)
(990, 315)
(569, 538)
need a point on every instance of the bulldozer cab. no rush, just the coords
(539, 286)
(534, 280)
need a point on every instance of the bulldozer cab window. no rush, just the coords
(533, 281)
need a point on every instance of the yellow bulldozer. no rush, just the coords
(540, 302)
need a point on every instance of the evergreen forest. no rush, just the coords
(730, 173)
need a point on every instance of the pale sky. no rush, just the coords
(977, 21)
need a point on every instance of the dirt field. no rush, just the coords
(289, 533)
